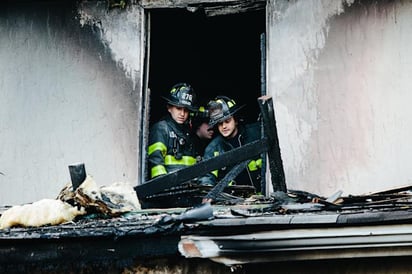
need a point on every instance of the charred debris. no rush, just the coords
(171, 207)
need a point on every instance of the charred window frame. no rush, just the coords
(210, 8)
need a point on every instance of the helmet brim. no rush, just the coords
(214, 122)
(191, 108)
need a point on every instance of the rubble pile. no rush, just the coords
(88, 198)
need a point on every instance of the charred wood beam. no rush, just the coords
(77, 174)
(225, 181)
(270, 131)
(156, 4)
(180, 176)
(393, 190)
(234, 8)
(210, 7)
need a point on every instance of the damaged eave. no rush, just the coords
(302, 244)
(134, 235)
(297, 237)
(367, 226)
(210, 7)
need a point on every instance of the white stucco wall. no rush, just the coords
(66, 96)
(339, 75)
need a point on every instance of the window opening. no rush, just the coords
(217, 55)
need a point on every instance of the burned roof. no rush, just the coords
(159, 232)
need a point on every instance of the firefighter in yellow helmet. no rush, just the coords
(170, 139)
(232, 133)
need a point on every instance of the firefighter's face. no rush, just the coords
(228, 128)
(204, 132)
(179, 114)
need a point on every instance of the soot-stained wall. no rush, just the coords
(66, 97)
(339, 75)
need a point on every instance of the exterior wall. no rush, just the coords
(337, 70)
(339, 75)
(67, 96)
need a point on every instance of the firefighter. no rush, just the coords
(203, 134)
(232, 133)
(170, 139)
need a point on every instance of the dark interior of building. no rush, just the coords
(218, 55)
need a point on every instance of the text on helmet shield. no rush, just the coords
(187, 97)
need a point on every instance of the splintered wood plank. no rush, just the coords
(180, 176)
(270, 131)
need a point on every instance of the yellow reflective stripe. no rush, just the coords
(259, 163)
(158, 170)
(215, 172)
(254, 165)
(157, 146)
(185, 161)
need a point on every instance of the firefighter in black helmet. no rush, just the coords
(170, 139)
(232, 133)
